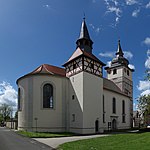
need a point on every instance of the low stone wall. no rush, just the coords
(12, 124)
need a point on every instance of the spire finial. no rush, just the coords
(119, 51)
(84, 16)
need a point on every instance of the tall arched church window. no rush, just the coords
(48, 101)
(19, 99)
(114, 106)
(123, 107)
(123, 112)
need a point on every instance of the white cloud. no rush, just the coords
(107, 54)
(135, 13)
(8, 95)
(131, 66)
(135, 106)
(113, 7)
(115, 10)
(128, 54)
(147, 41)
(148, 53)
(148, 5)
(92, 26)
(117, 20)
(146, 92)
(131, 2)
(108, 63)
(115, 2)
(47, 6)
(147, 62)
(143, 85)
(97, 30)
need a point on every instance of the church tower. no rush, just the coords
(83, 59)
(84, 71)
(120, 73)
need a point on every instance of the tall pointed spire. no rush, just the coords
(84, 31)
(119, 52)
(84, 41)
(119, 59)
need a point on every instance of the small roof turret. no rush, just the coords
(119, 60)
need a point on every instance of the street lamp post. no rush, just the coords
(36, 119)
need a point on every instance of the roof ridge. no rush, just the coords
(44, 65)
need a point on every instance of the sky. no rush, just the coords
(39, 32)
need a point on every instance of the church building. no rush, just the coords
(77, 98)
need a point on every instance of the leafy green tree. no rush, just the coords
(144, 103)
(6, 112)
(147, 77)
(16, 115)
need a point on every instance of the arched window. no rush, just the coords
(114, 106)
(103, 109)
(115, 71)
(123, 112)
(19, 99)
(48, 101)
(123, 107)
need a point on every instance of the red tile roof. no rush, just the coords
(47, 69)
(53, 70)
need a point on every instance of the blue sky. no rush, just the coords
(39, 32)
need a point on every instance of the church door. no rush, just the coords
(96, 126)
(114, 124)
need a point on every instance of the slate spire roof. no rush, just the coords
(84, 41)
(84, 31)
(119, 60)
(119, 52)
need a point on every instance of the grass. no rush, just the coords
(43, 135)
(131, 141)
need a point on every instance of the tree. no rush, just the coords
(16, 115)
(144, 103)
(147, 77)
(6, 111)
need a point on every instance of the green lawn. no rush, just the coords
(135, 141)
(43, 135)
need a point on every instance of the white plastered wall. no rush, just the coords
(86, 106)
(109, 116)
(48, 120)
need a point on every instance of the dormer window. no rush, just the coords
(115, 71)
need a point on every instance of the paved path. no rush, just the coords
(55, 142)
(9, 140)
